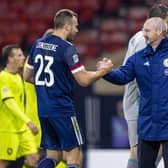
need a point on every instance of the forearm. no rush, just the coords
(14, 108)
(28, 75)
(116, 77)
(85, 78)
(93, 76)
(30, 80)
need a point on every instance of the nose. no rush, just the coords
(144, 33)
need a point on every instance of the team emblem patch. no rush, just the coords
(5, 90)
(165, 62)
(75, 58)
(9, 151)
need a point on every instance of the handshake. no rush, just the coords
(105, 64)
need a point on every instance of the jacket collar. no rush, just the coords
(148, 50)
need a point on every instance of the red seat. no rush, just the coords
(72, 4)
(137, 13)
(108, 25)
(113, 34)
(91, 4)
(113, 41)
(86, 43)
(20, 27)
(111, 6)
(135, 26)
(12, 37)
(86, 16)
(30, 39)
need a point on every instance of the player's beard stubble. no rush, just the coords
(71, 36)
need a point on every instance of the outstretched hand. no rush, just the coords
(105, 64)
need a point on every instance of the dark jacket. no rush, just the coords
(150, 68)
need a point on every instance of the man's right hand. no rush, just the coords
(33, 127)
(105, 64)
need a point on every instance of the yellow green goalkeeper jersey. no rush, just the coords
(11, 86)
(31, 108)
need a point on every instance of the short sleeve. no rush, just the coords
(72, 59)
(5, 92)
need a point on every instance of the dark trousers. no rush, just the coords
(148, 151)
(17, 163)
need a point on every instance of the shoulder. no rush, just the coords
(5, 79)
(69, 45)
(3, 75)
(137, 38)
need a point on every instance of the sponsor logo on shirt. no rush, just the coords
(75, 58)
(146, 63)
(9, 151)
(5, 90)
(165, 62)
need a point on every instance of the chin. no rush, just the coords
(70, 39)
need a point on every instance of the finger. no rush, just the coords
(105, 59)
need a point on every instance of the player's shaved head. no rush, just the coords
(157, 23)
(62, 17)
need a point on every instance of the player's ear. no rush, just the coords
(10, 59)
(67, 27)
(159, 32)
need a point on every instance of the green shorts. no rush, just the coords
(15, 145)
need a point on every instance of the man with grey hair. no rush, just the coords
(131, 94)
(149, 67)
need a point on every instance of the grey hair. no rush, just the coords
(159, 24)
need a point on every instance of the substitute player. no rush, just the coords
(54, 61)
(16, 139)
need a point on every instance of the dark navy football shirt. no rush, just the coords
(54, 61)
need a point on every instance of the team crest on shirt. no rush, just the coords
(9, 151)
(165, 62)
(75, 58)
(5, 90)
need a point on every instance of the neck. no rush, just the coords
(12, 69)
(60, 33)
(156, 43)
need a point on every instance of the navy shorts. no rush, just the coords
(60, 133)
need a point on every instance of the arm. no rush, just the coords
(14, 108)
(122, 75)
(81, 75)
(28, 75)
(116, 77)
(85, 78)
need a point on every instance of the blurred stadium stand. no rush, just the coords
(105, 25)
